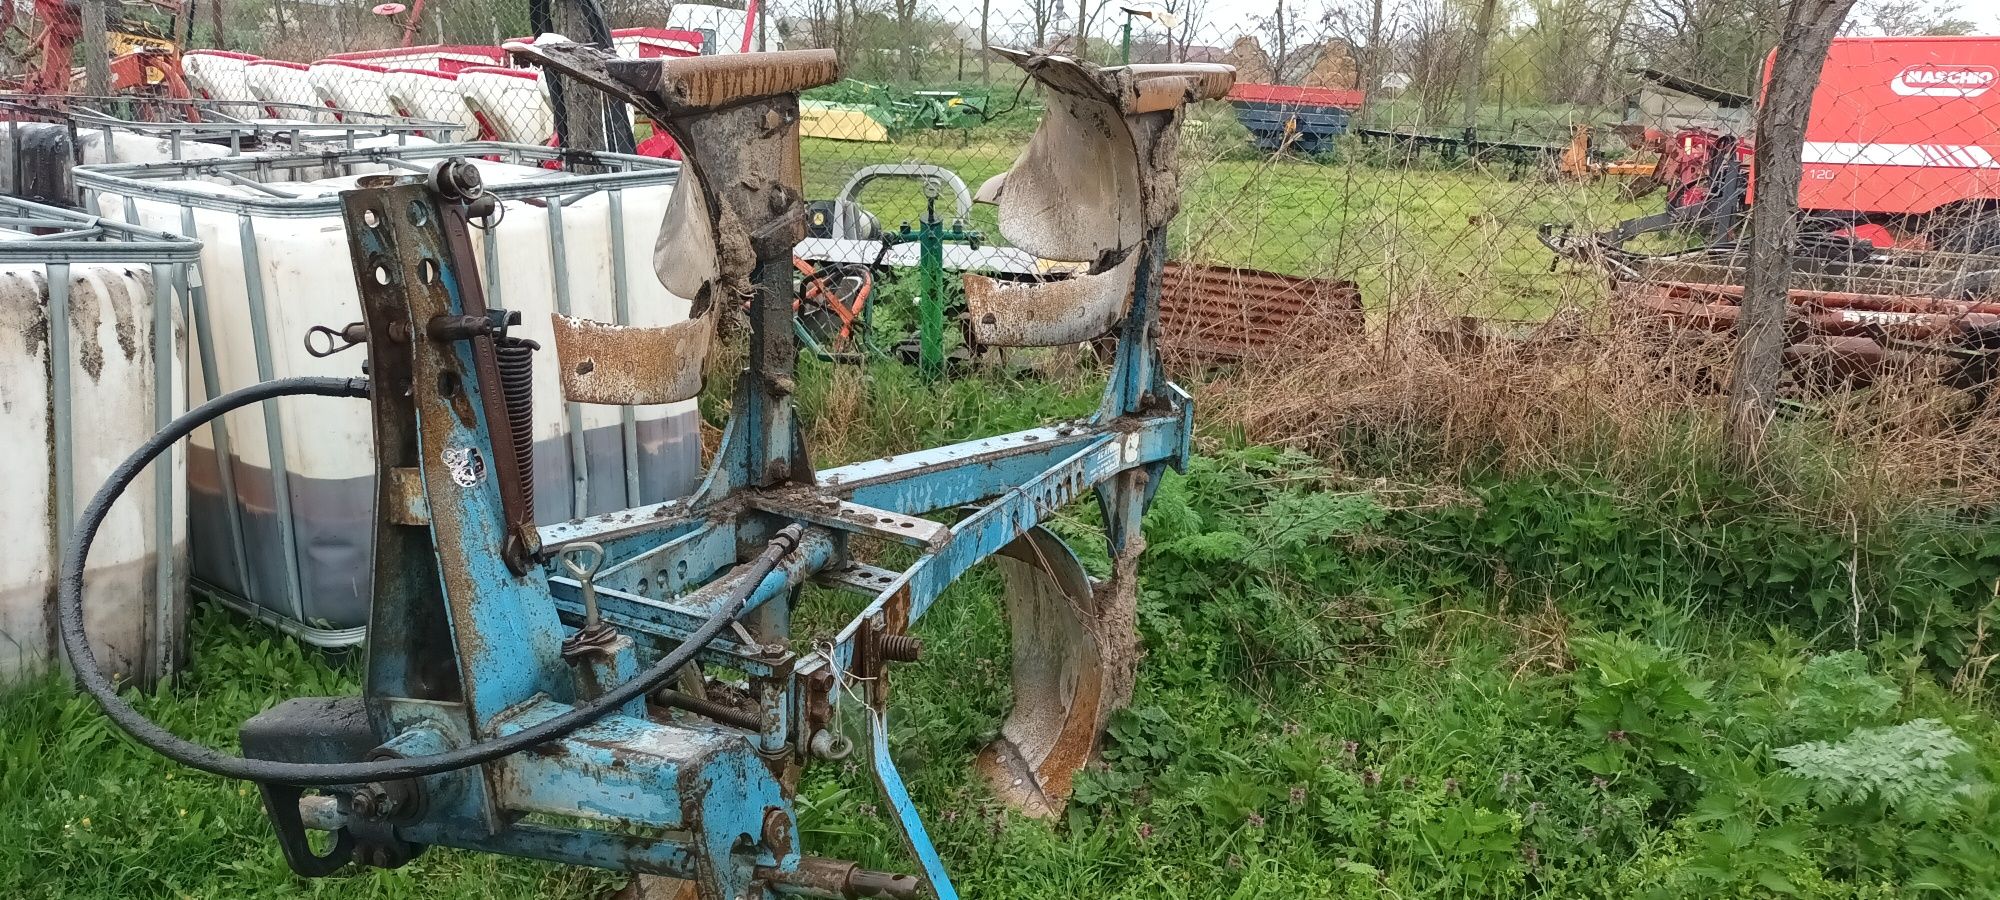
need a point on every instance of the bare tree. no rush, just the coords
(1188, 15)
(1431, 53)
(906, 35)
(1781, 130)
(1607, 57)
(1714, 41)
(1475, 65)
(1278, 26)
(823, 23)
(1043, 15)
(1082, 50)
(1371, 65)
(1368, 34)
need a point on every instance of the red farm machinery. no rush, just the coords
(1899, 249)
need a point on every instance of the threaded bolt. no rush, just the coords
(900, 647)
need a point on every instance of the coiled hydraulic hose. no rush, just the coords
(76, 644)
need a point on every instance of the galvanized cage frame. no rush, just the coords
(217, 127)
(140, 180)
(72, 238)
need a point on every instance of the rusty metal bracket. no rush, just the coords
(842, 515)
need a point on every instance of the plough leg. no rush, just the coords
(1076, 652)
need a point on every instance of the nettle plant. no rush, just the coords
(1646, 708)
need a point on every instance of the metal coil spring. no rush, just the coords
(516, 359)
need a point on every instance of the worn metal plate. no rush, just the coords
(846, 516)
(630, 364)
(860, 578)
(1048, 313)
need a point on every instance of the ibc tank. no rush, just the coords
(290, 540)
(352, 85)
(280, 82)
(92, 365)
(218, 74)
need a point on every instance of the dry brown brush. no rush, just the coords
(1425, 390)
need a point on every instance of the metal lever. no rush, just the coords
(586, 575)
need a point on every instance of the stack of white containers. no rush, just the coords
(284, 528)
(92, 365)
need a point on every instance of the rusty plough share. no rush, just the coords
(541, 691)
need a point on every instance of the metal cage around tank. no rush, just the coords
(99, 318)
(43, 138)
(236, 125)
(262, 549)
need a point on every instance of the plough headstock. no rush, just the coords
(521, 675)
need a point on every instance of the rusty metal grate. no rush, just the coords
(1227, 314)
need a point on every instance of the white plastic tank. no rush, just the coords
(728, 30)
(352, 86)
(656, 43)
(92, 367)
(511, 103)
(218, 74)
(449, 58)
(430, 94)
(294, 541)
(277, 81)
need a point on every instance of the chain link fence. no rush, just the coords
(1426, 151)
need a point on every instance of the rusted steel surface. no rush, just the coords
(1841, 335)
(1715, 307)
(1075, 656)
(1226, 314)
(1893, 273)
(630, 364)
(1096, 183)
(708, 82)
(1050, 313)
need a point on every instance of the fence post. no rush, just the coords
(1773, 230)
(96, 51)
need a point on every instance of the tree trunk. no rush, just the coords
(1600, 83)
(1781, 128)
(1475, 64)
(96, 62)
(906, 31)
(840, 28)
(1282, 58)
(985, 48)
(591, 122)
(1371, 68)
(221, 40)
(1082, 29)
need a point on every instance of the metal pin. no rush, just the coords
(586, 574)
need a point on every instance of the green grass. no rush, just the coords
(86, 813)
(1397, 232)
(1535, 687)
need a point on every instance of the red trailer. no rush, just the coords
(1905, 127)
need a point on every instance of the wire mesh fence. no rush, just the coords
(1426, 151)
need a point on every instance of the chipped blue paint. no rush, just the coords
(682, 796)
(908, 821)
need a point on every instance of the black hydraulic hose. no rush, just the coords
(76, 644)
